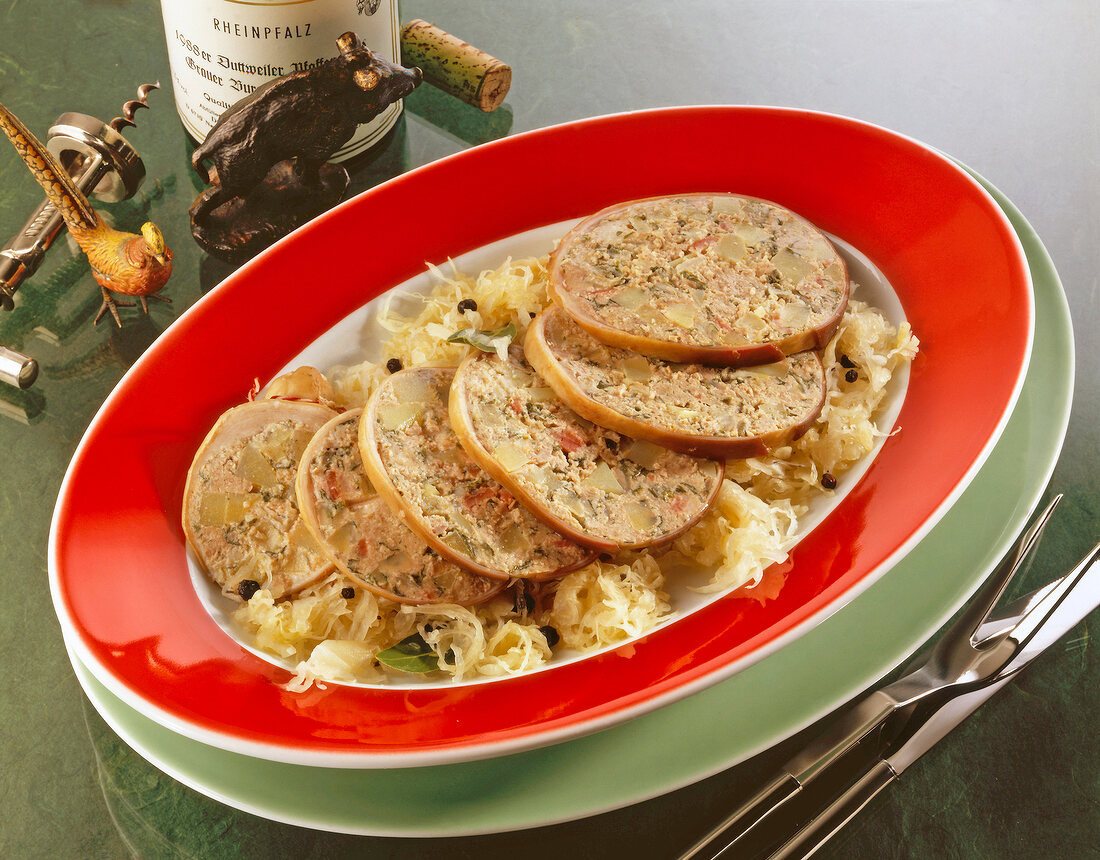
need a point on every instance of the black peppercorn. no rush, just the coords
(851, 375)
(393, 365)
(828, 481)
(467, 305)
(347, 592)
(246, 588)
(846, 362)
(552, 637)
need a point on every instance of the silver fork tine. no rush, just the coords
(956, 647)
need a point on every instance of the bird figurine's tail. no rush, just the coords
(60, 189)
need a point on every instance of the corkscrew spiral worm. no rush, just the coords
(131, 107)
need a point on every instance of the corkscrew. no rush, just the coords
(104, 166)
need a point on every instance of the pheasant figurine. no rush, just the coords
(128, 264)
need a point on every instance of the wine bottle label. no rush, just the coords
(219, 51)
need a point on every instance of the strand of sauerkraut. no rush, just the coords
(737, 539)
(607, 603)
(751, 525)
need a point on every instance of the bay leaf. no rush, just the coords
(412, 654)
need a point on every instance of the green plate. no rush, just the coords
(758, 707)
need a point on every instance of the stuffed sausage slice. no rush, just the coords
(361, 535)
(416, 463)
(712, 411)
(240, 512)
(598, 487)
(716, 279)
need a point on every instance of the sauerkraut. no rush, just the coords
(751, 525)
(608, 603)
(738, 538)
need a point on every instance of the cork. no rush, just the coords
(454, 66)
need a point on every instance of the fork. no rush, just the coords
(978, 654)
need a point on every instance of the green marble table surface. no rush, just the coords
(1008, 87)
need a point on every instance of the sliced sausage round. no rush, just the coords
(717, 279)
(697, 409)
(240, 512)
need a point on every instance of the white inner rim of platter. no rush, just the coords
(358, 337)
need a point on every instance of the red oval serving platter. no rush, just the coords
(118, 565)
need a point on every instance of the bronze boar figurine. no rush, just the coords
(304, 116)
